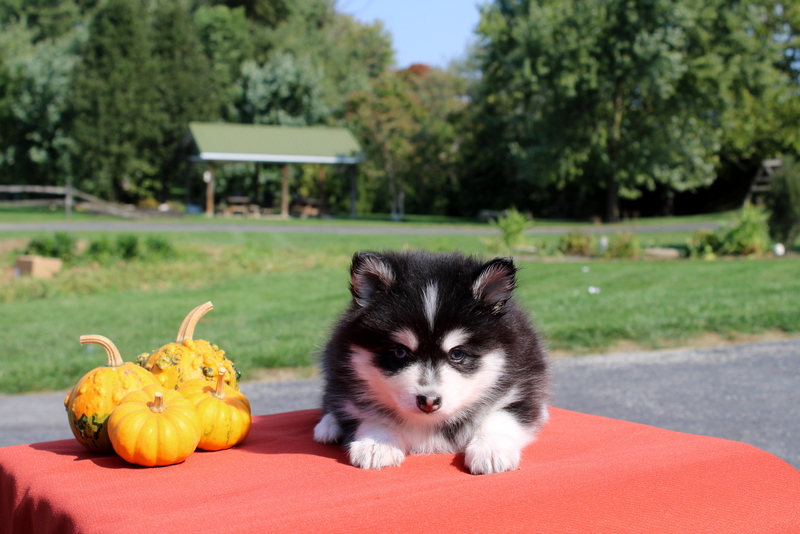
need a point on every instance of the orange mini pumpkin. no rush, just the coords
(188, 358)
(154, 426)
(224, 412)
(96, 395)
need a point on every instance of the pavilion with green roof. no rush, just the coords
(227, 143)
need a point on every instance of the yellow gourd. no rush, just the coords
(154, 426)
(188, 358)
(224, 412)
(96, 395)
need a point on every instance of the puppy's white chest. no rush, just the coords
(425, 441)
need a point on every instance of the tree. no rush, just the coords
(349, 53)
(47, 19)
(620, 94)
(267, 12)
(433, 177)
(118, 112)
(227, 43)
(185, 84)
(34, 117)
(409, 126)
(284, 91)
(784, 203)
(386, 120)
(761, 43)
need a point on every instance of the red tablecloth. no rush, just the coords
(584, 474)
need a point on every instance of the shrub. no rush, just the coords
(148, 203)
(784, 202)
(127, 247)
(159, 248)
(512, 225)
(750, 235)
(61, 246)
(624, 245)
(577, 244)
(705, 244)
(100, 250)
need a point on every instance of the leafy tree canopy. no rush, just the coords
(623, 94)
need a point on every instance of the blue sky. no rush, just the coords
(423, 31)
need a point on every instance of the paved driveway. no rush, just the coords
(748, 393)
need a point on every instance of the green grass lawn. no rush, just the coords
(659, 304)
(276, 296)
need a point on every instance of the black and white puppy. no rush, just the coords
(433, 356)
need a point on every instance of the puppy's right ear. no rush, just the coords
(370, 274)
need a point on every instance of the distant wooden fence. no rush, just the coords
(69, 193)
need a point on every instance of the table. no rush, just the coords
(584, 474)
(239, 205)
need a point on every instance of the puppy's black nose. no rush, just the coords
(428, 404)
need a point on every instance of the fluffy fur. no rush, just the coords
(433, 356)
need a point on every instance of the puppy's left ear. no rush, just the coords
(495, 283)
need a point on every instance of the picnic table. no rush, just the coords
(240, 205)
(584, 474)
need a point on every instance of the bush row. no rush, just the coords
(125, 247)
(749, 235)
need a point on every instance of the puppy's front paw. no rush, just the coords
(367, 453)
(487, 456)
(327, 430)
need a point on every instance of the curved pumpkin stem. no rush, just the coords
(114, 357)
(158, 403)
(220, 392)
(186, 331)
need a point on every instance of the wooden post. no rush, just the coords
(68, 200)
(353, 190)
(208, 178)
(255, 187)
(322, 204)
(285, 192)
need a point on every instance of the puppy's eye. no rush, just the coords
(401, 353)
(457, 355)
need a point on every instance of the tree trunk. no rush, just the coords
(255, 187)
(393, 199)
(612, 200)
(285, 192)
(353, 190)
(323, 205)
(612, 145)
(401, 203)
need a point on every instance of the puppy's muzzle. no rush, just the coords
(429, 403)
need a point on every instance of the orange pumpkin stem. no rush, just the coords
(158, 403)
(112, 353)
(186, 331)
(220, 392)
